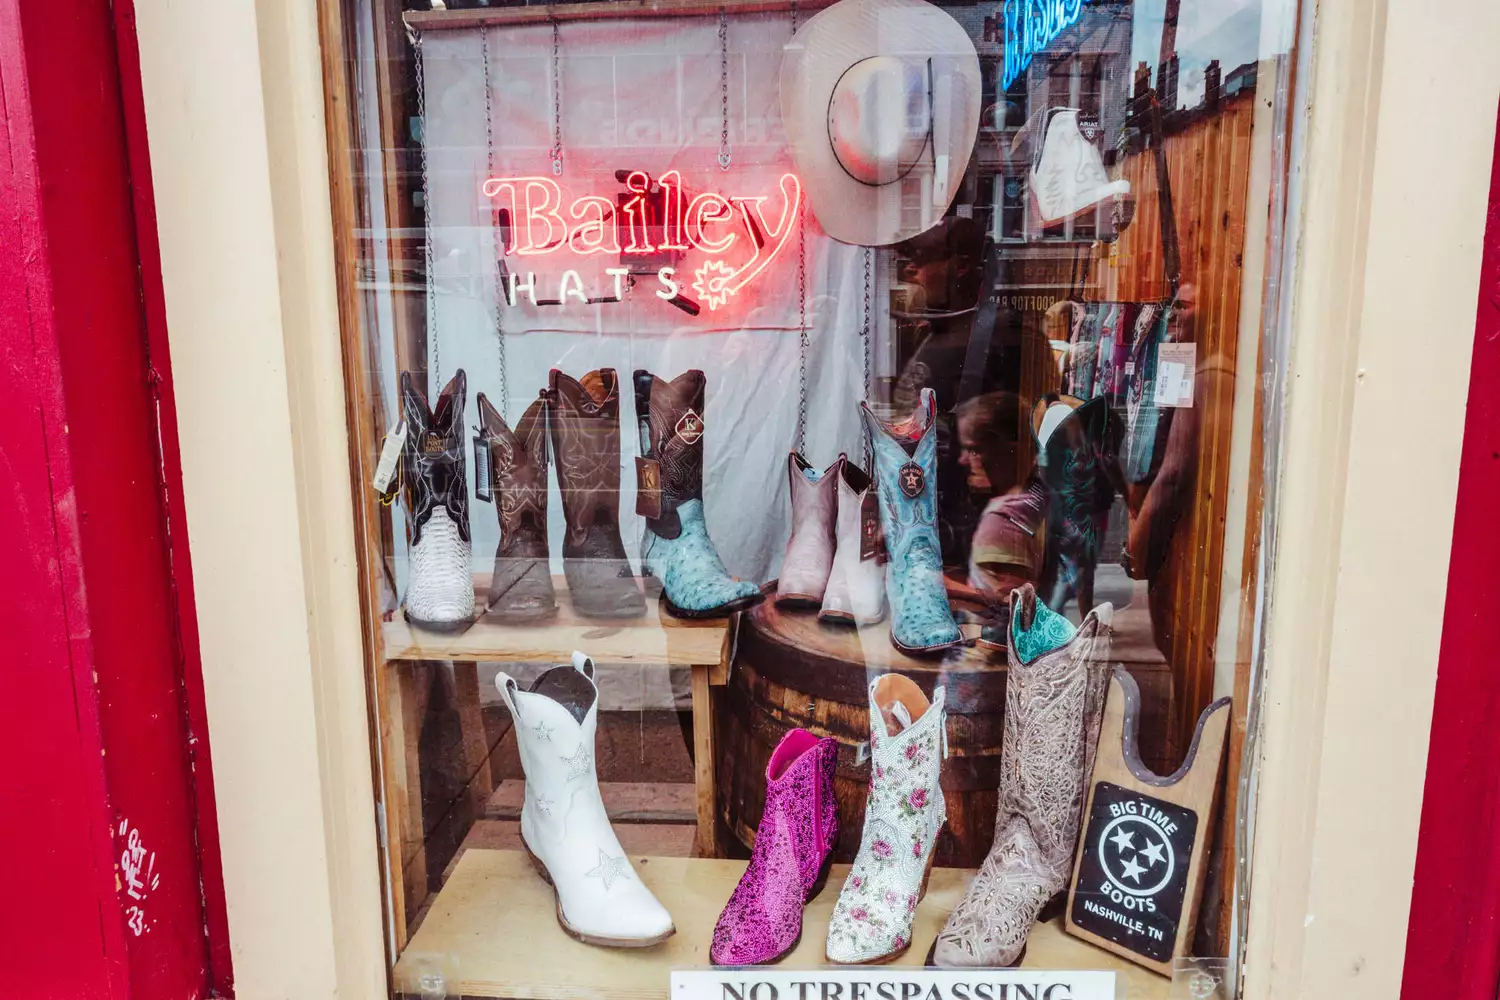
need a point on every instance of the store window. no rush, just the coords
(811, 481)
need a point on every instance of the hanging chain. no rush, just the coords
(429, 279)
(489, 146)
(557, 149)
(794, 17)
(723, 88)
(864, 336)
(802, 339)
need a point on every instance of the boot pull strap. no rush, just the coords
(583, 663)
(939, 697)
(902, 714)
(508, 688)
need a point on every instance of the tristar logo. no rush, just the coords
(690, 428)
(732, 238)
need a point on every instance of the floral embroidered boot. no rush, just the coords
(903, 815)
(855, 594)
(564, 828)
(676, 548)
(906, 474)
(521, 586)
(809, 552)
(762, 921)
(440, 584)
(1054, 703)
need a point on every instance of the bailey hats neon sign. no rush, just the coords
(653, 218)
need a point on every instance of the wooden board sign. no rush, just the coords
(1138, 875)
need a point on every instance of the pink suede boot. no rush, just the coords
(793, 844)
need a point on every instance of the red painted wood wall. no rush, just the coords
(1453, 945)
(110, 855)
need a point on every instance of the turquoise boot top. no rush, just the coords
(920, 618)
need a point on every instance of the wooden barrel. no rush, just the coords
(791, 671)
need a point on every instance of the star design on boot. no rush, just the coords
(544, 804)
(542, 731)
(579, 763)
(608, 869)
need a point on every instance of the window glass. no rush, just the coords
(803, 443)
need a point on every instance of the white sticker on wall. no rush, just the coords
(889, 983)
(1176, 369)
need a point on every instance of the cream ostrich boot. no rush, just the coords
(600, 899)
(855, 594)
(1054, 705)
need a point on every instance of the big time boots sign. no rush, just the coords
(694, 249)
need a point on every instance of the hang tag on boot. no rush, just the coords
(390, 456)
(483, 471)
(648, 488)
(871, 538)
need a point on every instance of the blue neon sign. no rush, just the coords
(1031, 26)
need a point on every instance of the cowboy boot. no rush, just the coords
(904, 812)
(762, 921)
(564, 827)
(584, 418)
(521, 587)
(906, 474)
(855, 594)
(440, 582)
(1054, 702)
(1076, 446)
(809, 552)
(676, 548)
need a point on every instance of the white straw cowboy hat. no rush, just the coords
(880, 99)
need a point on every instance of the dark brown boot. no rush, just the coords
(440, 586)
(521, 588)
(584, 419)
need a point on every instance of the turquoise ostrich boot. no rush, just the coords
(676, 548)
(906, 470)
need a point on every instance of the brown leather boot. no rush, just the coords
(676, 548)
(521, 587)
(584, 419)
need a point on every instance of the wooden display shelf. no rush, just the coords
(492, 933)
(654, 637)
(481, 17)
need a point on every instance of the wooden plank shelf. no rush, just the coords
(492, 933)
(655, 638)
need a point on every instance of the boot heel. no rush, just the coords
(927, 876)
(536, 863)
(822, 882)
(1053, 908)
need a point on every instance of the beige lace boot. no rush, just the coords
(1054, 702)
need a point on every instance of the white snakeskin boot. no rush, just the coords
(565, 830)
(440, 582)
(855, 594)
(1054, 704)
(904, 812)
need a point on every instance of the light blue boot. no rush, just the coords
(906, 469)
(676, 548)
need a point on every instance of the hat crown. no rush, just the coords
(880, 118)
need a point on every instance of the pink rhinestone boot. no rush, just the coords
(793, 845)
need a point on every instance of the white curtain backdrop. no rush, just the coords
(641, 95)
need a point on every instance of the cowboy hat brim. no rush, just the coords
(812, 63)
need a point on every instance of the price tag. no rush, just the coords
(483, 476)
(390, 455)
(648, 487)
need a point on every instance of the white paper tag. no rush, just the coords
(390, 454)
(1176, 370)
(889, 983)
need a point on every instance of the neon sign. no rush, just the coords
(652, 224)
(1031, 26)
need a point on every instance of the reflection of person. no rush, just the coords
(1156, 551)
(1010, 538)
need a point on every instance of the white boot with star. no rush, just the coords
(564, 827)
